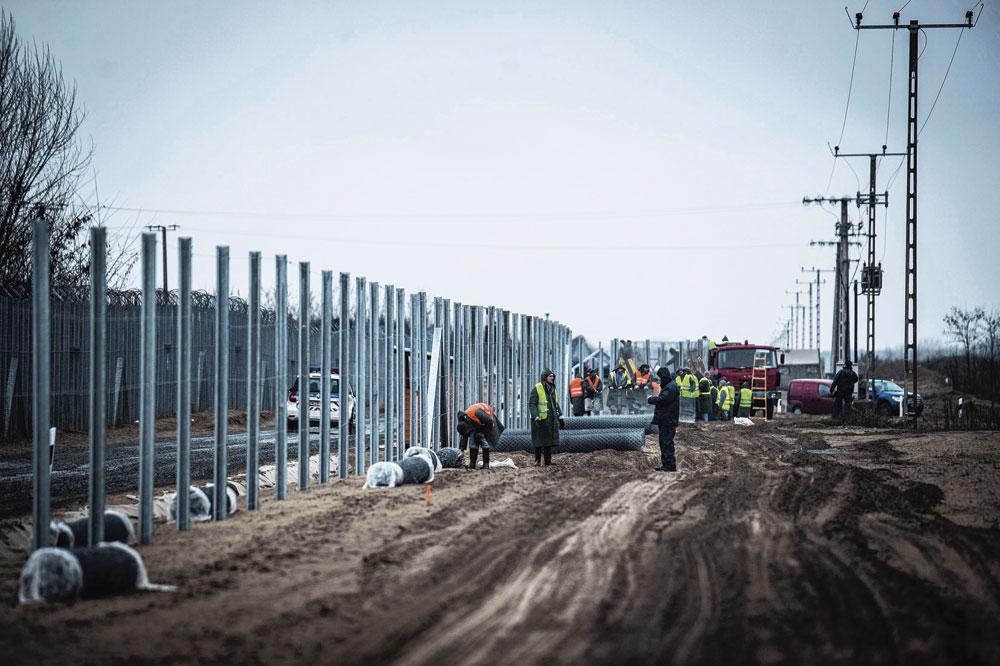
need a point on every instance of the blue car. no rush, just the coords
(887, 395)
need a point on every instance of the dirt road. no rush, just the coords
(788, 542)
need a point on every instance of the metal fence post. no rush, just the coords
(221, 381)
(455, 378)
(414, 383)
(344, 364)
(281, 375)
(401, 372)
(184, 385)
(303, 397)
(361, 372)
(41, 368)
(374, 349)
(98, 413)
(253, 385)
(326, 363)
(147, 388)
(389, 376)
(446, 387)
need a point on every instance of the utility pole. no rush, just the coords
(163, 229)
(912, 129)
(798, 333)
(790, 335)
(809, 340)
(818, 282)
(840, 349)
(871, 274)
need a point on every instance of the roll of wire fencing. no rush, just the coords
(579, 441)
(610, 421)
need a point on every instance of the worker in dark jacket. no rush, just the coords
(480, 424)
(546, 417)
(666, 413)
(843, 389)
(704, 399)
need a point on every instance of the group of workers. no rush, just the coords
(714, 399)
(480, 428)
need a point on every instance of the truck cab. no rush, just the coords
(733, 361)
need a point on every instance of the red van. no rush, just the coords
(810, 396)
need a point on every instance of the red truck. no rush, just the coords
(734, 362)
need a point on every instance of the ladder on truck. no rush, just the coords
(758, 384)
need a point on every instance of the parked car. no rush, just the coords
(887, 394)
(295, 399)
(810, 396)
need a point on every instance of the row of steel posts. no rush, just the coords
(405, 395)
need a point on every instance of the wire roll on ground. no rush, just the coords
(609, 421)
(579, 441)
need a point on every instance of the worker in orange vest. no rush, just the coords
(480, 424)
(643, 380)
(594, 389)
(577, 394)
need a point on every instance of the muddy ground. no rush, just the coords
(790, 542)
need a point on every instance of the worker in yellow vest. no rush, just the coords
(746, 399)
(726, 394)
(687, 383)
(546, 417)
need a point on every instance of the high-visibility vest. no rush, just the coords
(704, 386)
(641, 380)
(594, 383)
(543, 401)
(471, 410)
(726, 395)
(576, 388)
(746, 397)
(687, 386)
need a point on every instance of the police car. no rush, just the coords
(295, 400)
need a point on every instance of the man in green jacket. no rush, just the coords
(546, 417)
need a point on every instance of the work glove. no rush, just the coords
(562, 424)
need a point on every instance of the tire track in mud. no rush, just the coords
(540, 602)
(757, 552)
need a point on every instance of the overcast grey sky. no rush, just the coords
(632, 168)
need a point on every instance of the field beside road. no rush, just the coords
(787, 542)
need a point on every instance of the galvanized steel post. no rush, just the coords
(253, 385)
(361, 372)
(147, 388)
(375, 393)
(448, 392)
(184, 338)
(344, 365)
(389, 373)
(400, 372)
(303, 395)
(41, 368)
(326, 363)
(281, 375)
(97, 408)
(221, 381)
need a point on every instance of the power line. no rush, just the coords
(847, 106)
(499, 246)
(946, 72)
(347, 217)
(888, 106)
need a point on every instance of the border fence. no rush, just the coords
(89, 360)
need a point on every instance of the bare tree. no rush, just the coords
(965, 328)
(991, 349)
(41, 162)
